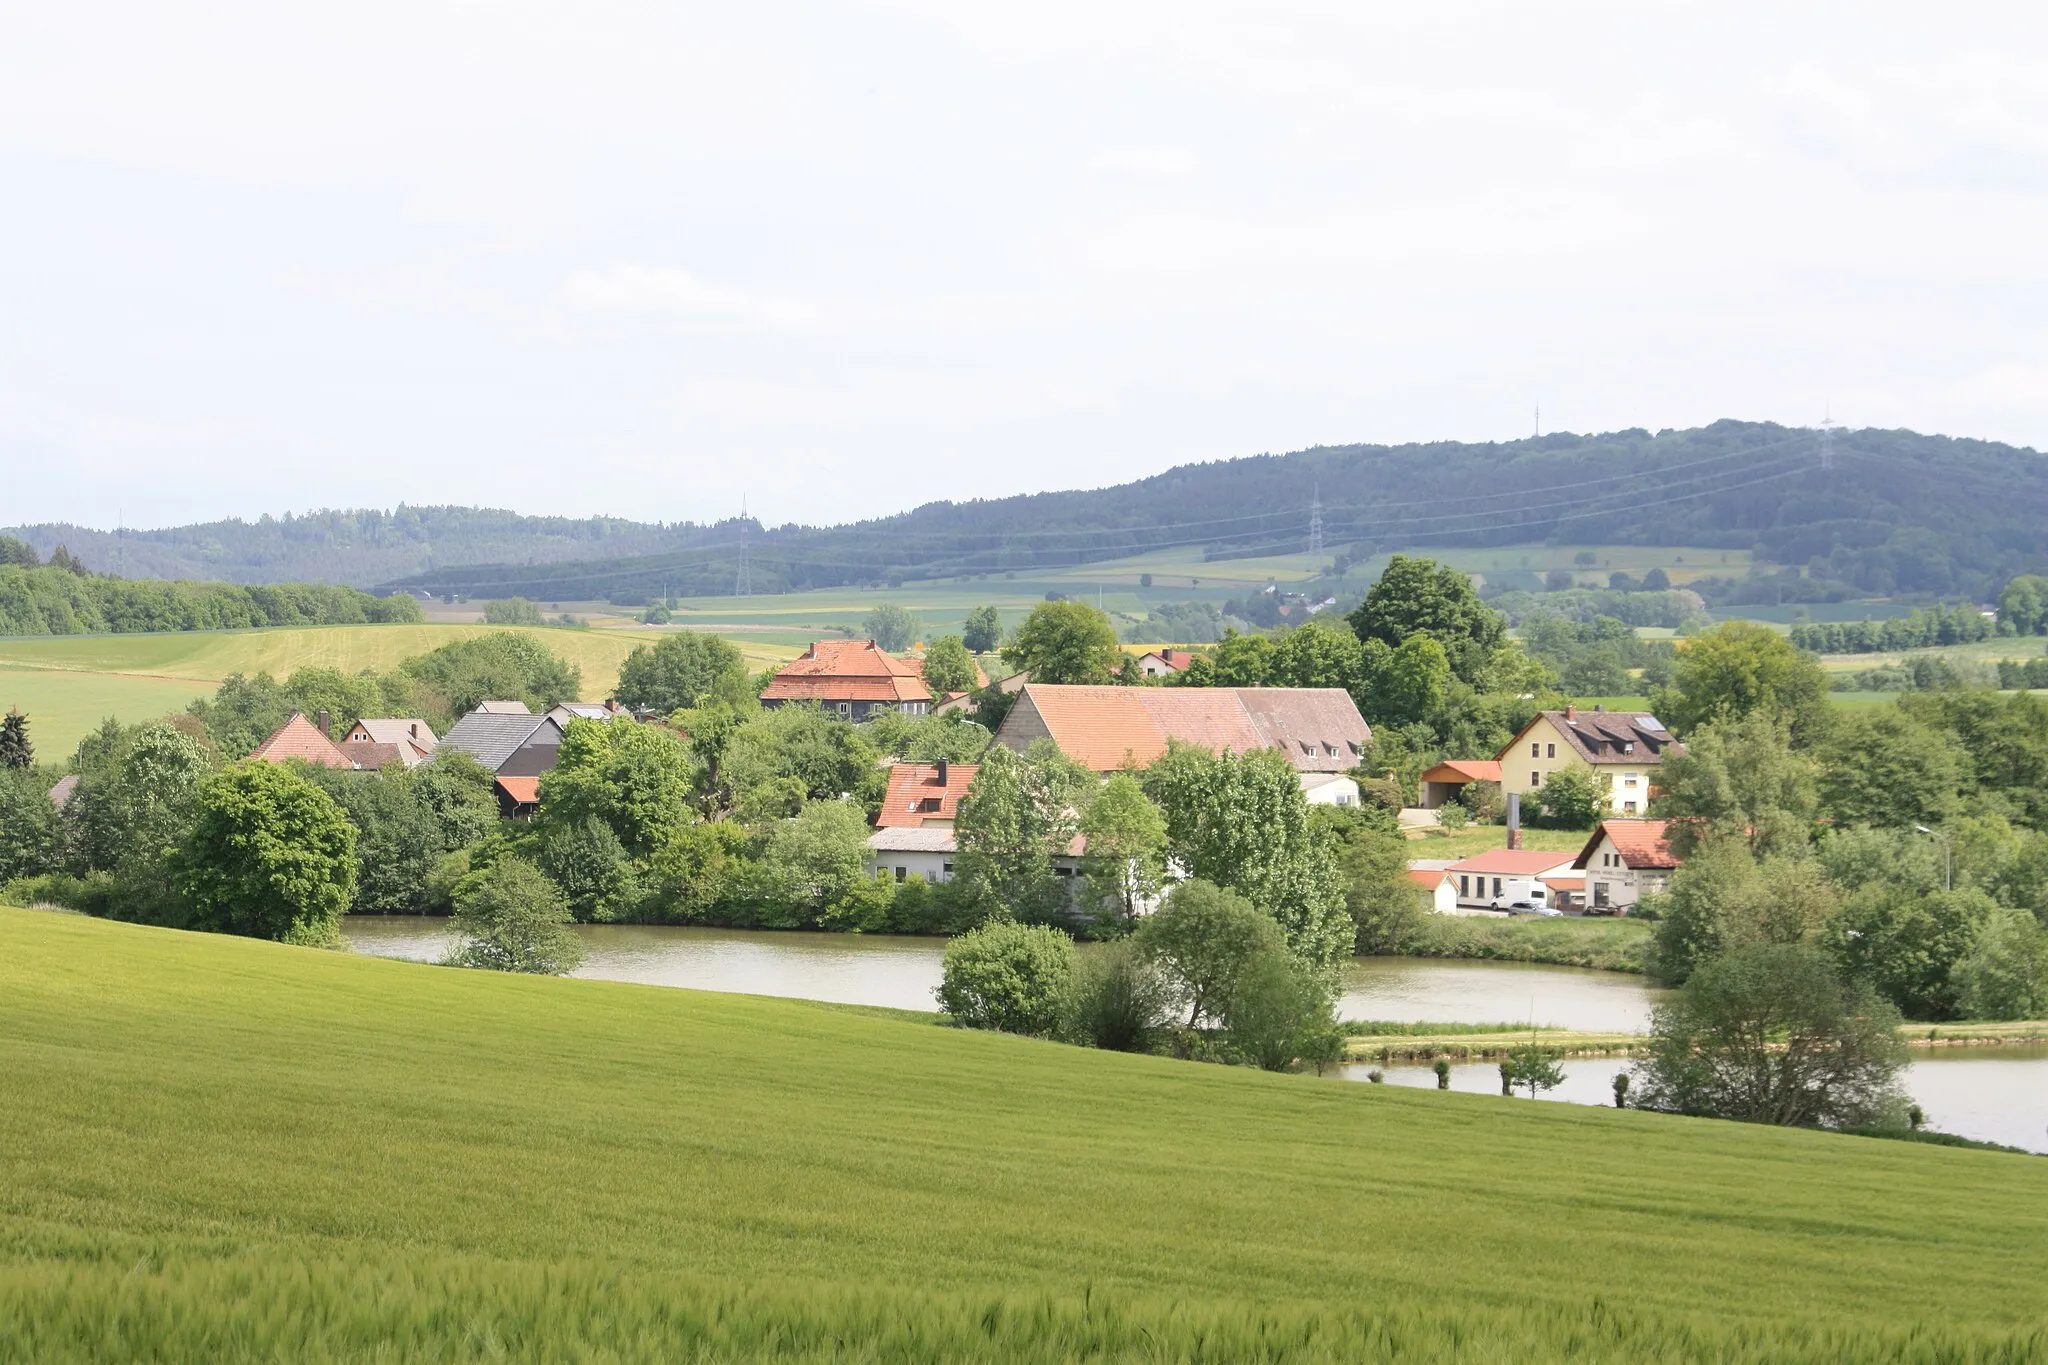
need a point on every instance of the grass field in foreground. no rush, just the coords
(238, 1151)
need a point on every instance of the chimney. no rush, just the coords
(1571, 712)
(415, 728)
(942, 772)
(1600, 706)
(1514, 819)
(321, 720)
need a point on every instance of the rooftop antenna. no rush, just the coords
(743, 585)
(1315, 521)
(1827, 440)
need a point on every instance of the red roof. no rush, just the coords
(1429, 878)
(524, 791)
(1642, 844)
(1100, 727)
(300, 738)
(847, 670)
(915, 797)
(1465, 770)
(1513, 862)
(1175, 659)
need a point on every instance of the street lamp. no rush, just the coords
(1948, 859)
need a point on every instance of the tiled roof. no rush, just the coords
(1643, 844)
(892, 839)
(1319, 729)
(1465, 770)
(491, 738)
(1608, 736)
(915, 796)
(1175, 659)
(847, 670)
(1429, 878)
(364, 754)
(60, 795)
(413, 739)
(524, 791)
(300, 738)
(1513, 862)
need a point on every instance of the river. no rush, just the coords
(1996, 1094)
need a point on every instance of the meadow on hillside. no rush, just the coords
(243, 1151)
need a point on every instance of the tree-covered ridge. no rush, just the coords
(1892, 512)
(55, 599)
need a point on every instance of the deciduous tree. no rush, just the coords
(1421, 597)
(689, 669)
(1065, 642)
(269, 855)
(948, 667)
(1125, 859)
(511, 918)
(1007, 976)
(891, 627)
(983, 631)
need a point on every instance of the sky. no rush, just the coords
(839, 260)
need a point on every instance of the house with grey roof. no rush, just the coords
(510, 745)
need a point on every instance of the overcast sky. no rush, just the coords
(647, 259)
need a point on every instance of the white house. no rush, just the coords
(1624, 861)
(1499, 877)
(1329, 789)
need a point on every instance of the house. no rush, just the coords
(301, 739)
(409, 741)
(1441, 784)
(962, 701)
(510, 744)
(60, 795)
(503, 708)
(1105, 728)
(1624, 861)
(924, 795)
(1623, 748)
(1329, 789)
(1499, 877)
(1164, 663)
(853, 678)
(1442, 888)
(904, 852)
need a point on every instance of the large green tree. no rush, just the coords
(1065, 642)
(984, 630)
(1241, 822)
(268, 855)
(948, 667)
(1125, 858)
(1203, 939)
(1319, 653)
(511, 918)
(15, 749)
(636, 779)
(691, 668)
(1422, 597)
(503, 665)
(1722, 899)
(398, 838)
(134, 796)
(2023, 604)
(1007, 976)
(891, 627)
(1884, 766)
(29, 828)
(1739, 779)
(1739, 668)
(1773, 1034)
(1020, 814)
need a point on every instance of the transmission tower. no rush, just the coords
(1315, 522)
(1827, 443)
(743, 584)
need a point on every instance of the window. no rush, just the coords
(1551, 751)
(1628, 807)
(1330, 750)
(1063, 871)
(1535, 749)
(846, 710)
(1496, 886)
(901, 873)
(1599, 893)
(1630, 780)
(947, 871)
(1535, 778)
(1464, 885)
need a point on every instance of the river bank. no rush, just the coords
(1467, 1045)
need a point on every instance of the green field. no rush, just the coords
(67, 684)
(1443, 843)
(238, 1151)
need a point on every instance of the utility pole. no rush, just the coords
(743, 585)
(1315, 522)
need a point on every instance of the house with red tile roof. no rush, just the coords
(1105, 728)
(1624, 861)
(853, 679)
(924, 795)
(301, 739)
(1499, 877)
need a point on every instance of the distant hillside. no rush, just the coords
(359, 548)
(1894, 512)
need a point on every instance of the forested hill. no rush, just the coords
(1892, 511)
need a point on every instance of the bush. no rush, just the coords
(1008, 976)
(1572, 798)
(513, 919)
(2005, 973)
(1485, 800)
(1453, 817)
(1116, 1000)
(1279, 1012)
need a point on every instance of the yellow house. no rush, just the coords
(1623, 748)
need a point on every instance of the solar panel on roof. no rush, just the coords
(1652, 723)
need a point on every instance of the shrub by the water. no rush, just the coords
(1007, 976)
